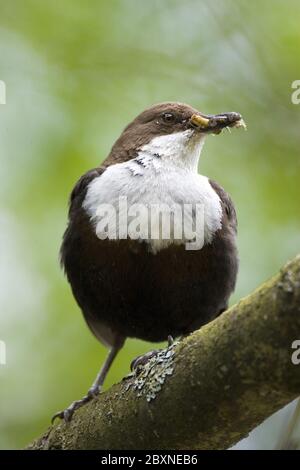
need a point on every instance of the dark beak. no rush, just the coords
(215, 123)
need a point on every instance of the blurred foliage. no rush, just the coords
(76, 72)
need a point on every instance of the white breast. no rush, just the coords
(163, 173)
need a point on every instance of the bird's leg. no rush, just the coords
(95, 388)
(144, 358)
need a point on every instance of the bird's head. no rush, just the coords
(170, 130)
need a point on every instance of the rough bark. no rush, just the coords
(207, 391)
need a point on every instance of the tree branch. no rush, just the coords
(207, 391)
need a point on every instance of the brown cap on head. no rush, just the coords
(162, 119)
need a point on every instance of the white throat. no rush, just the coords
(181, 149)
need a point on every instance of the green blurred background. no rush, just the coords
(76, 72)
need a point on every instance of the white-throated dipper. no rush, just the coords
(127, 281)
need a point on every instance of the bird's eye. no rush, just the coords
(168, 117)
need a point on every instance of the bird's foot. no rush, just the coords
(67, 414)
(141, 360)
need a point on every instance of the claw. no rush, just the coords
(95, 388)
(59, 414)
(143, 359)
(67, 414)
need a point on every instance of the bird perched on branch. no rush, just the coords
(132, 274)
